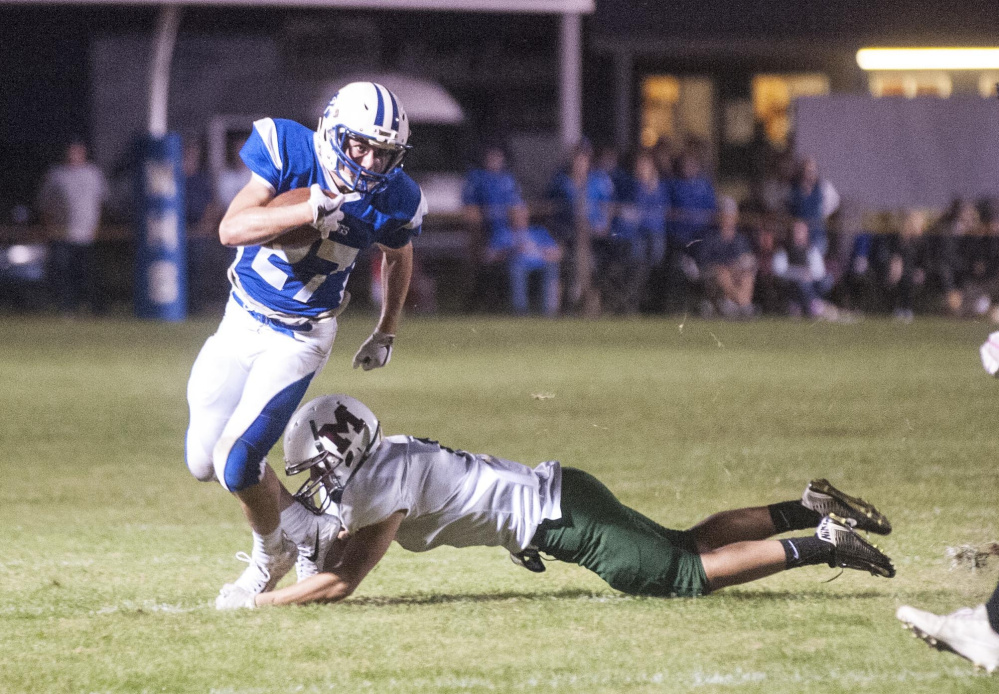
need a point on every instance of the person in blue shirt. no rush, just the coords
(527, 249)
(201, 217)
(489, 196)
(729, 266)
(280, 322)
(692, 211)
(813, 199)
(582, 200)
(490, 192)
(640, 228)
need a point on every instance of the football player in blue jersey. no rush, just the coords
(280, 322)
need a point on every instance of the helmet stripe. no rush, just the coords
(380, 112)
(395, 111)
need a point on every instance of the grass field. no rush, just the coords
(111, 554)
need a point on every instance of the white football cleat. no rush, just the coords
(312, 554)
(232, 597)
(967, 632)
(264, 572)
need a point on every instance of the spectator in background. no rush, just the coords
(608, 160)
(640, 226)
(905, 256)
(813, 199)
(70, 201)
(860, 284)
(489, 196)
(692, 211)
(983, 261)
(582, 202)
(801, 266)
(729, 266)
(773, 192)
(949, 273)
(235, 175)
(201, 217)
(527, 249)
(768, 292)
(664, 155)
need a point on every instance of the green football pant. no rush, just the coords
(631, 552)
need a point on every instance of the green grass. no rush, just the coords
(111, 554)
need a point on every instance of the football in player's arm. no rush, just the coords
(315, 200)
(424, 495)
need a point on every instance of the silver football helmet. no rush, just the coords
(362, 111)
(331, 437)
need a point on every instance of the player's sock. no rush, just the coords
(992, 610)
(298, 522)
(269, 545)
(792, 515)
(806, 551)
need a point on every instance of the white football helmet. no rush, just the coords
(331, 437)
(364, 111)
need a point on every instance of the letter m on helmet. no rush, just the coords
(340, 433)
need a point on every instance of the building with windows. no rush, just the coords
(729, 73)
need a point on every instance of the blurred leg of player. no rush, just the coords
(244, 386)
(638, 556)
(731, 547)
(972, 633)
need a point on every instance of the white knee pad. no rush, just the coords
(199, 461)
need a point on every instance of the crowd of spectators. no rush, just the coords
(649, 233)
(646, 233)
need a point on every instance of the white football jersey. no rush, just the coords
(451, 497)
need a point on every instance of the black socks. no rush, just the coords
(806, 551)
(791, 515)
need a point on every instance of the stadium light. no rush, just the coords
(928, 58)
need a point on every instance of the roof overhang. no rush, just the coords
(524, 6)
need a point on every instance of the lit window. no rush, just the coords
(677, 108)
(773, 100)
(911, 84)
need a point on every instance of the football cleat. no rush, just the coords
(530, 559)
(264, 572)
(966, 632)
(850, 550)
(822, 497)
(312, 555)
(232, 597)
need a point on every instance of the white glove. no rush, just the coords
(326, 212)
(990, 354)
(375, 352)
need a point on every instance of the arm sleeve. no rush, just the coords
(261, 153)
(404, 196)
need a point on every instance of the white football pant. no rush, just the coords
(244, 386)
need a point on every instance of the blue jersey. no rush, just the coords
(308, 281)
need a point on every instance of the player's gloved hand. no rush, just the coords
(990, 354)
(375, 352)
(326, 212)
